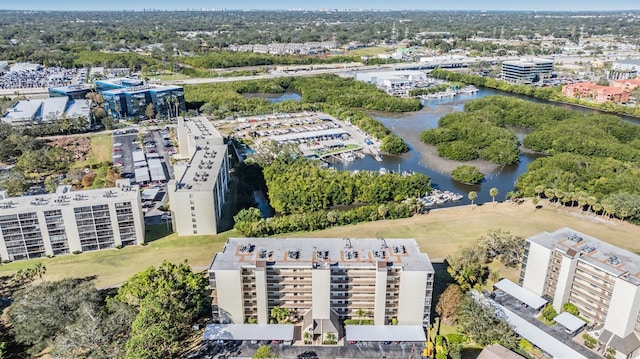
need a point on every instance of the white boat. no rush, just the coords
(383, 171)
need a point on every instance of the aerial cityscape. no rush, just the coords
(327, 180)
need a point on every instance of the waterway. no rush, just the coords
(409, 125)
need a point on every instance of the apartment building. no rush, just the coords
(66, 222)
(198, 193)
(596, 93)
(322, 281)
(526, 71)
(602, 280)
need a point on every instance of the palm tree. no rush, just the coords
(472, 196)
(493, 192)
(383, 210)
(558, 194)
(332, 217)
(39, 270)
(360, 313)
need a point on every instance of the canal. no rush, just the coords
(409, 125)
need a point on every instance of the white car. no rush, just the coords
(117, 155)
(117, 144)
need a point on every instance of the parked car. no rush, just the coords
(117, 155)
(117, 144)
(117, 149)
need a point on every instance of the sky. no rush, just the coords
(541, 5)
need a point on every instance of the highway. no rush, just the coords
(446, 63)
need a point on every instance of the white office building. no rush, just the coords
(67, 222)
(602, 280)
(526, 71)
(323, 281)
(198, 193)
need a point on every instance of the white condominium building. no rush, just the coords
(322, 281)
(198, 193)
(602, 280)
(66, 222)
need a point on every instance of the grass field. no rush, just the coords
(438, 233)
(368, 51)
(100, 152)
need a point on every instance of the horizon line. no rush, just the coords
(221, 9)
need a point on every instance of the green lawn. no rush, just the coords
(100, 152)
(438, 233)
(112, 267)
(369, 51)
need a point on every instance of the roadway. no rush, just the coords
(446, 63)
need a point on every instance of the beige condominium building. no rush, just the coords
(322, 281)
(67, 222)
(198, 193)
(602, 280)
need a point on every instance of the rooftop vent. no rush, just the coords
(399, 250)
(294, 254)
(8, 204)
(613, 260)
(39, 201)
(380, 254)
(265, 254)
(587, 248)
(575, 238)
(351, 254)
(247, 248)
(322, 254)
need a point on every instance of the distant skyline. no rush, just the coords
(539, 5)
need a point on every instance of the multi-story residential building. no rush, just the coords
(629, 84)
(322, 281)
(66, 222)
(198, 193)
(526, 71)
(597, 93)
(602, 280)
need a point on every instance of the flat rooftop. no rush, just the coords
(205, 162)
(67, 198)
(71, 88)
(23, 110)
(321, 253)
(602, 255)
(53, 108)
(79, 108)
(142, 88)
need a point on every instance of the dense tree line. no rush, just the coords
(251, 223)
(226, 59)
(302, 186)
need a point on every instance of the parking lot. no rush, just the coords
(154, 144)
(211, 349)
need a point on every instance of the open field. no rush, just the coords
(368, 51)
(438, 234)
(101, 150)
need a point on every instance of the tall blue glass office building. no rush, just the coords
(132, 101)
